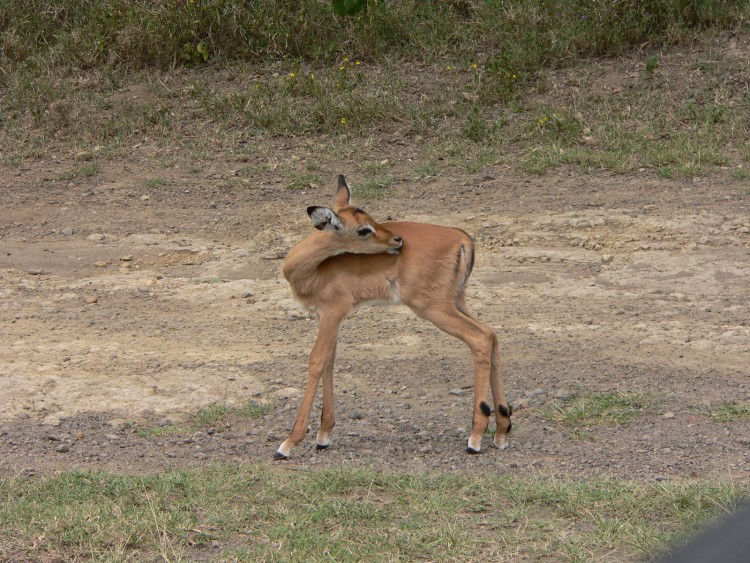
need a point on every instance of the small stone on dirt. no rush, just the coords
(457, 392)
(520, 403)
(100, 263)
(356, 415)
(91, 299)
(62, 448)
(166, 421)
(535, 393)
(668, 415)
(126, 258)
(562, 394)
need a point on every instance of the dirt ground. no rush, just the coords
(127, 308)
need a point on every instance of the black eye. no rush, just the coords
(364, 231)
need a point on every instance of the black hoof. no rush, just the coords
(278, 456)
(472, 451)
(319, 447)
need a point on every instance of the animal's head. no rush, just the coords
(357, 231)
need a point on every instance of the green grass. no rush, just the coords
(591, 410)
(84, 171)
(485, 83)
(304, 180)
(216, 414)
(256, 409)
(154, 182)
(257, 513)
(211, 415)
(370, 187)
(729, 412)
(158, 431)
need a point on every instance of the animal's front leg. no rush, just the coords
(320, 365)
(327, 417)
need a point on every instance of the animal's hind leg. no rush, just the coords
(503, 410)
(479, 339)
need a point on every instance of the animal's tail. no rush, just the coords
(465, 264)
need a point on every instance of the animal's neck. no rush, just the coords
(302, 262)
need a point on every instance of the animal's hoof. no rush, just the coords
(501, 444)
(320, 447)
(278, 456)
(472, 451)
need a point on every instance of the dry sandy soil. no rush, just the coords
(123, 306)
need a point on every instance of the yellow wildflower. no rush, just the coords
(343, 120)
(292, 75)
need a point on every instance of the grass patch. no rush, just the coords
(371, 187)
(256, 409)
(485, 82)
(729, 412)
(515, 36)
(84, 171)
(154, 183)
(593, 410)
(212, 415)
(304, 181)
(257, 513)
(158, 431)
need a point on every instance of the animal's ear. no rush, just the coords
(324, 219)
(343, 194)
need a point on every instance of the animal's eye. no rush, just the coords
(364, 231)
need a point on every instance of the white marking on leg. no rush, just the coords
(501, 441)
(475, 445)
(324, 439)
(285, 448)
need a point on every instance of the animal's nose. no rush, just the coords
(397, 239)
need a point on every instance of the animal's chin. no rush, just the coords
(394, 250)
